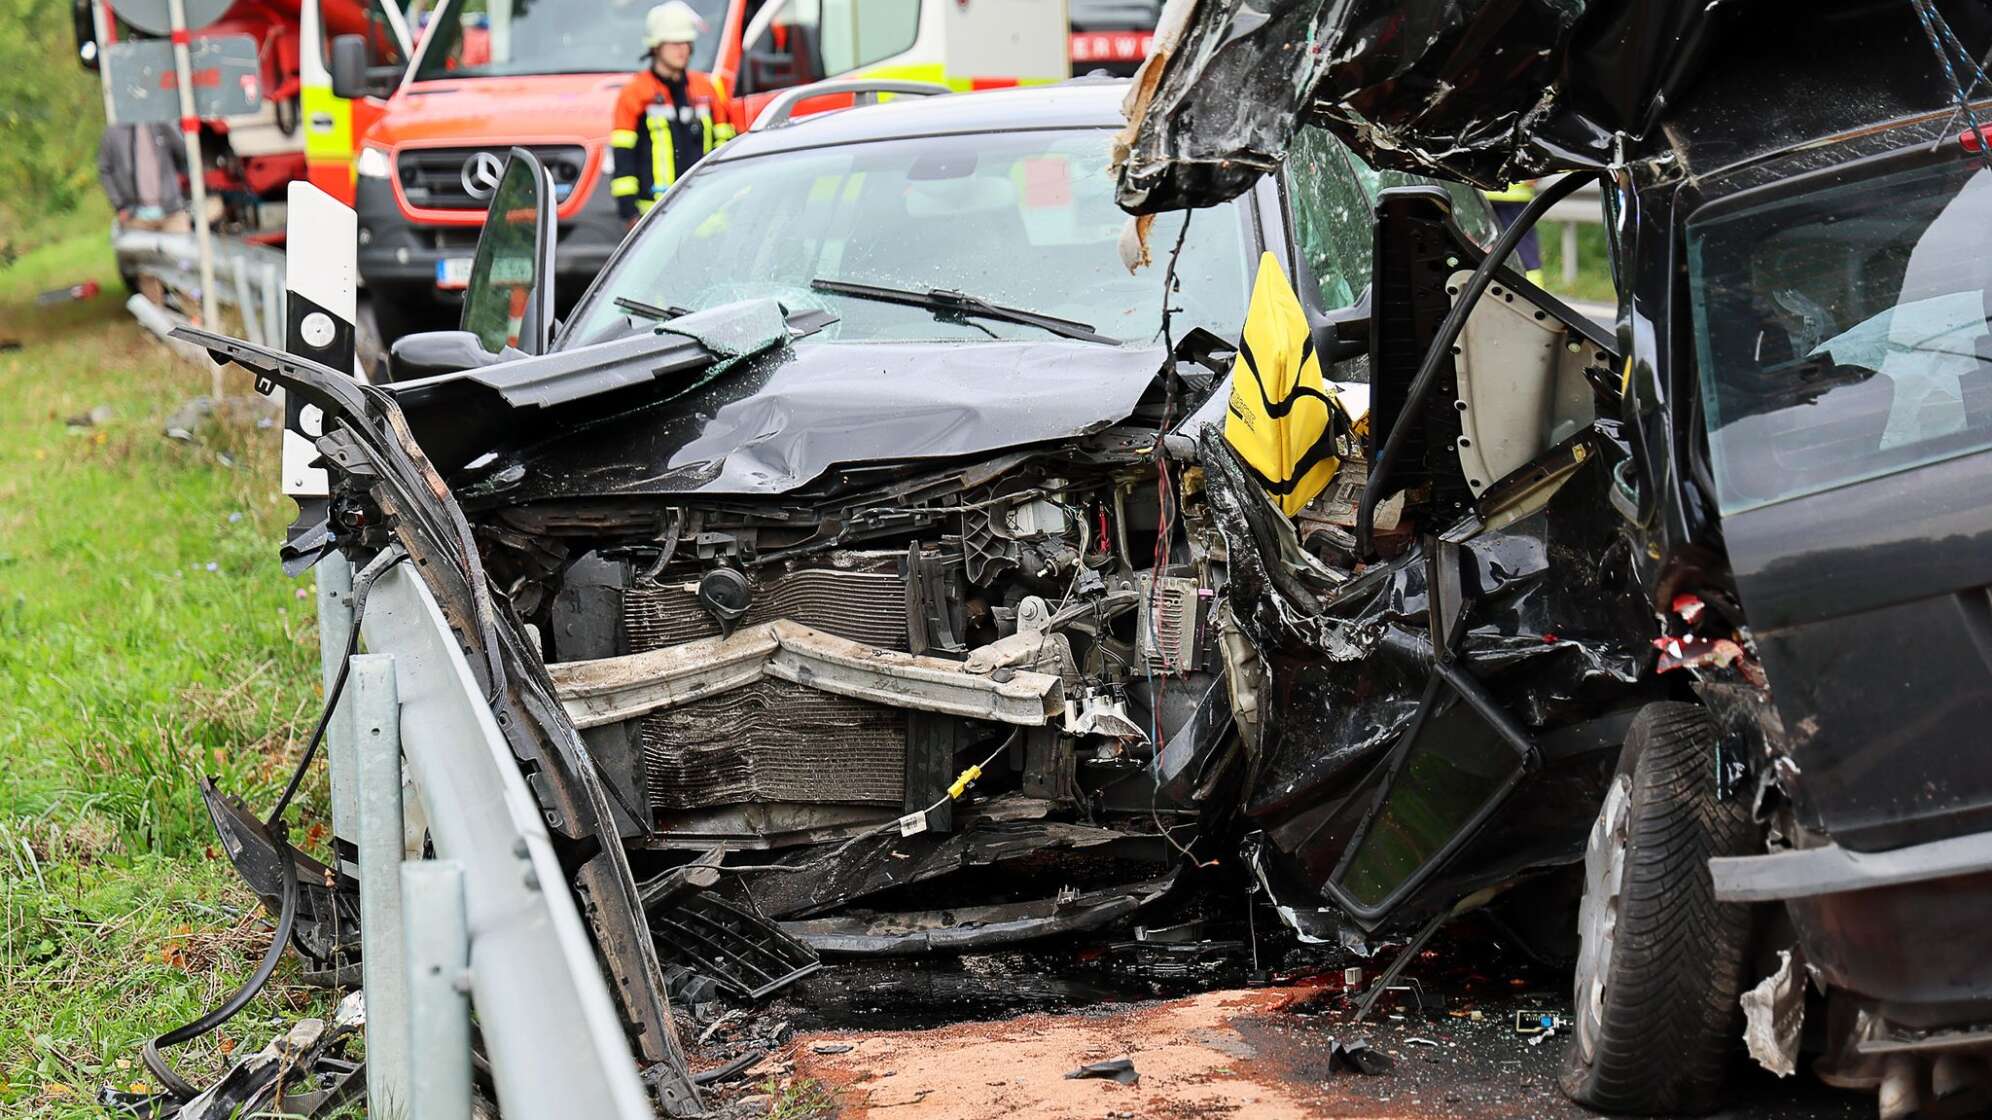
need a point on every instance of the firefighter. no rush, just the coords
(1508, 205)
(668, 117)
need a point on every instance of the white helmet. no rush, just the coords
(671, 22)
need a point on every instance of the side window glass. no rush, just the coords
(788, 51)
(1331, 217)
(858, 34)
(1471, 211)
(497, 303)
(383, 47)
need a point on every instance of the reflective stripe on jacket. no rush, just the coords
(646, 159)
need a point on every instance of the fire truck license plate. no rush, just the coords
(453, 272)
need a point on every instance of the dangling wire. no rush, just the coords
(1165, 532)
(175, 1085)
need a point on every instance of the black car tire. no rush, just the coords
(1656, 1021)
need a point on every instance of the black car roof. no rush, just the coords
(1080, 103)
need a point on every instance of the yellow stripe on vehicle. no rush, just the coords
(328, 125)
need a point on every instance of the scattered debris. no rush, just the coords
(91, 419)
(88, 289)
(831, 1048)
(1119, 1069)
(302, 1073)
(1358, 1057)
(1539, 1022)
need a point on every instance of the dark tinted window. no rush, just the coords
(1842, 333)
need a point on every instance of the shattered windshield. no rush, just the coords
(509, 38)
(1024, 220)
(1843, 333)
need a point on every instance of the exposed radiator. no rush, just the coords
(774, 741)
(867, 607)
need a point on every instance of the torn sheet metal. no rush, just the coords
(1538, 612)
(784, 418)
(326, 933)
(1487, 93)
(1774, 1016)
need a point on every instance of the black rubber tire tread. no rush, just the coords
(1670, 1026)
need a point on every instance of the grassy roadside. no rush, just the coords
(147, 637)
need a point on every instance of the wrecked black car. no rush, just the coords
(1795, 194)
(901, 546)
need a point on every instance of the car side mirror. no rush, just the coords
(509, 301)
(767, 70)
(349, 66)
(428, 353)
(1343, 333)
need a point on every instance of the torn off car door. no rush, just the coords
(1443, 715)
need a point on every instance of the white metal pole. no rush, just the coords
(190, 132)
(101, 24)
(377, 723)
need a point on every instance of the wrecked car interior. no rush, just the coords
(1802, 382)
(809, 651)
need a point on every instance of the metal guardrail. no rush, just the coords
(248, 277)
(479, 920)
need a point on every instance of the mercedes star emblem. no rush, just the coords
(481, 173)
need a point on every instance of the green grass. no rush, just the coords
(1594, 269)
(147, 637)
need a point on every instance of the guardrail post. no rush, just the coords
(1569, 254)
(376, 719)
(438, 961)
(273, 302)
(252, 323)
(335, 627)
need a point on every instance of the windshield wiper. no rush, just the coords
(650, 310)
(951, 302)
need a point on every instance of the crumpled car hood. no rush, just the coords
(786, 416)
(1464, 89)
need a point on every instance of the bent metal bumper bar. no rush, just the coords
(618, 688)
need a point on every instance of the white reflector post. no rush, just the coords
(321, 275)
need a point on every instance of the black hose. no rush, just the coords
(362, 585)
(173, 1083)
(286, 919)
(1441, 348)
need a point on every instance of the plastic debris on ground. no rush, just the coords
(1119, 1069)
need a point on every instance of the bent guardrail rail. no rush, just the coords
(544, 1010)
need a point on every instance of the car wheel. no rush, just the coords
(1656, 1019)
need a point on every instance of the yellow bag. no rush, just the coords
(1283, 417)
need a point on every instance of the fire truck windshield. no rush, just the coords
(510, 38)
